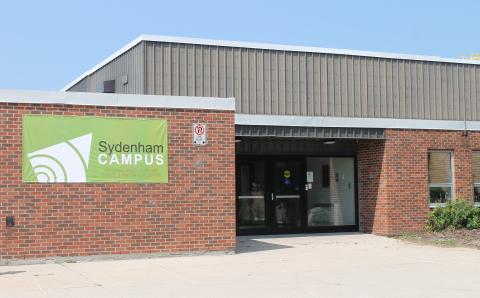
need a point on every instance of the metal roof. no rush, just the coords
(266, 46)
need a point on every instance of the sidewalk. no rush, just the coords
(325, 265)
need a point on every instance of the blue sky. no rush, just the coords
(46, 44)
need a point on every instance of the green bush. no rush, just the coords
(456, 214)
(474, 222)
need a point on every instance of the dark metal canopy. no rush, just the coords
(308, 132)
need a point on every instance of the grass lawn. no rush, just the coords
(447, 238)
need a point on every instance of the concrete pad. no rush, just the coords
(326, 265)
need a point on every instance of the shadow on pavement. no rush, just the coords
(246, 245)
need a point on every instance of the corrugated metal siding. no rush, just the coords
(131, 64)
(308, 132)
(312, 84)
(299, 83)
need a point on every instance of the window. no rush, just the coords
(440, 177)
(476, 176)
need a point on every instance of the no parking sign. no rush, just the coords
(199, 134)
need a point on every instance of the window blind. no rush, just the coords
(440, 167)
(476, 166)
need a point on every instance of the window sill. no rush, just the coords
(438, 205)
(441, 205)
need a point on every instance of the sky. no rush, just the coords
(46, 44)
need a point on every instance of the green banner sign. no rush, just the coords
(94, 149)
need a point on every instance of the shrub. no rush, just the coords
(456, 214)
(474, 222)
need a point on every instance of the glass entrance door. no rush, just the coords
(269, 195)
(283, 194)
(286, 194)
(251, 195)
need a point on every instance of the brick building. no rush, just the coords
(319, 140)
(192, 212)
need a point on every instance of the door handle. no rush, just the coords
(287, 197)
(273, 197)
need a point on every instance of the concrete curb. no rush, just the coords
(111, 257)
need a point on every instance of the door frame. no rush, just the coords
(304, 228)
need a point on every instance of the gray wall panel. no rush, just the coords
(298, 83)
(473, 93)
(323, 86)
(150, 70)
(357, 88)
(131, 64)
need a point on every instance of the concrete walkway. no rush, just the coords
(326, 265)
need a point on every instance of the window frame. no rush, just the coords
(477, 204)
(451, 185)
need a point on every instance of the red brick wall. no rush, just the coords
(393, 177)
(195, 211)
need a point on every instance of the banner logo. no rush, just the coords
(63, 162)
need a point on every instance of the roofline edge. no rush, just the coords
(116, 100)
(264, 46)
